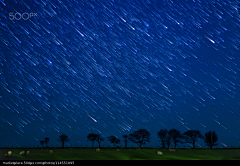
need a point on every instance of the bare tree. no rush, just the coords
(191, 136)
(46, 139)
(210, 139)
(176, 137)
(63, 138)
(99, 139)
(42, 142)
(125, 140)
(162, 136)
(140, 137)
(92, 137)
(114, 140)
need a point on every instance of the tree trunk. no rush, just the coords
(92, 144)
(99, 144)
(163, 145)
(62, 144)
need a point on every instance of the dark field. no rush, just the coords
(123, 154)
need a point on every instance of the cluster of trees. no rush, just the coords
(142, 136)
(62, 138)
(190, 136)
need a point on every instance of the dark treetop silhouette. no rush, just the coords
(175, 136)
(191, 136)
(140, 137)
(92, 137)
(114, 140)
(63, 139)
(210, 139)
(99, 139)
(46, 139)
(162, 136)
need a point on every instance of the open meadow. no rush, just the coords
(121, 154)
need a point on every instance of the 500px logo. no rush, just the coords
(19, 16)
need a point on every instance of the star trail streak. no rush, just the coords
(115, 66)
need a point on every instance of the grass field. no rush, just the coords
(123, 154)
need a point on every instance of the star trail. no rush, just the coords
(112, 67)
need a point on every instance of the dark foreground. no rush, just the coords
(122, 154)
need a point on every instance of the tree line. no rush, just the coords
(142, 137)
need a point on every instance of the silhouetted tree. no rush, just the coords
(191, 136)
(92, 137)
(162, 136)
(46, 140)
(168, 140)
(99, 139)
(210, 139)
(42, 142)
(175, 136)
(125, 140)
(140, 137)
(114, 140)
(63, 138)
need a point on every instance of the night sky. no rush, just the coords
(112, 67)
